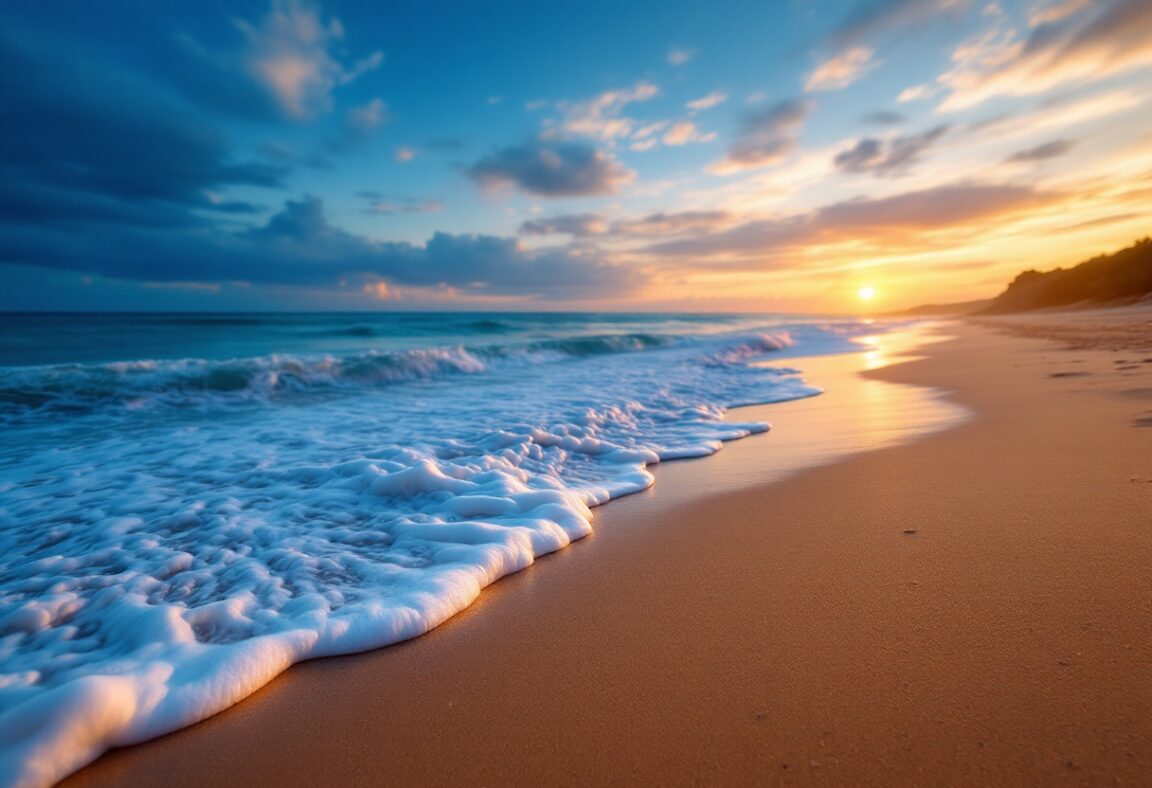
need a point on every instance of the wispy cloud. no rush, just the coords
(766, 136)
(684, 132)
(386, 207)
(841, 70)
(878, 17)
(902, 218)
(368, 117)
(290, 51)
(1050, 12)
(678, 56)
(1114, 38)
(1049, 150)
(713, 99)
(916, 93)
(601, 118)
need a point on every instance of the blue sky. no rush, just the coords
(495, 155)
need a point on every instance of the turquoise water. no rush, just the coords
(191, 503)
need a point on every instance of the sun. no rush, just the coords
(866, 293)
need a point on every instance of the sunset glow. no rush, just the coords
(298, 154)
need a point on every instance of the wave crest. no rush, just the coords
(133, 385)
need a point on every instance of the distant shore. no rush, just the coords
(973, 607)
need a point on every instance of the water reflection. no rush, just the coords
(854, 414)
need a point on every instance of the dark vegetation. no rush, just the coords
(1124, 277)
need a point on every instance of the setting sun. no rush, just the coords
(866, 293)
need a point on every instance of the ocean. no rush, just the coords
(189, 503)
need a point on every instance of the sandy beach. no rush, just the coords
(972, 607)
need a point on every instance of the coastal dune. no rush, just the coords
(972, 607)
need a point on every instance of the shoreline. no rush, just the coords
(790, 631)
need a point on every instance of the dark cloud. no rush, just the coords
(551, 168)
(766, 136)
(663, 224)
(674, 223)
(899, 219)
(577, 225)
(1049, 150)
(299, 247)
(887, 157)
(878, 17)
(84, 145)
(884, 118)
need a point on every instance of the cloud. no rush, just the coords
(1054, 12)
(897, 221)
(1099, 222)
(577, 225)
(884, 118)
(684, 132)
(672, 223)
(931, 209)
(368, 117)
(552, 168)
(86, 145)
(1059, 113)
(288, 52)
(889, 157)
(715, 98)
(871, 19)
(916, 93)
(661, 224)
(680, 56)
(1114, 38)
(766, 136)
(298, 247)
(1049, 150)
(387, 208)
(477, 264)
(841, 70)
(404, 154)
(600, 118)
(381, 205)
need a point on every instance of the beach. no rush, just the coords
(969, 607)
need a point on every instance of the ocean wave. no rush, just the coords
(156, 570)
(134, 385)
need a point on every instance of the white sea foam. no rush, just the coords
(193, 528)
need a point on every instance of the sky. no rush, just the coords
(779, 156)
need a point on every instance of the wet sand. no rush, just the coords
(973, 607)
